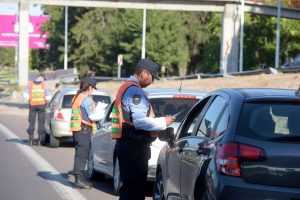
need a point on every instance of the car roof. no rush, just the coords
(250, 93)
(73, 90)
(170, 92)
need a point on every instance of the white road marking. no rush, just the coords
(59, 183)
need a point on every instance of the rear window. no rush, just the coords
(269, 120)
(67, 100)
(171, 106)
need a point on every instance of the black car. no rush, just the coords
(234, 144)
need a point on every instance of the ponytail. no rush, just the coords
(82, 88)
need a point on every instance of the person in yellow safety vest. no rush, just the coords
(37, 93)
(83, 118)
(135, 127)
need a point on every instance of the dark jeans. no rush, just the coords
(38, 111)
(133, 160)
(82, 141)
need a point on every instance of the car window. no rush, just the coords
(67, 100)
(101, 98)
(222, 125)
(189, 122)
(171, 106)
(54, 98)
(211, 116)
(269, 120)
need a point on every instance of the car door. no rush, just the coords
(174, 152)
(194, 151)
(103, 145)
(50, 109)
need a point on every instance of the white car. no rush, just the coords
(58, 114)
(103, 159)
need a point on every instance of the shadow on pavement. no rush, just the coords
(104, 185)
(19, 141)
(62, 178)
(15, 105)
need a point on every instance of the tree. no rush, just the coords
(7, 56)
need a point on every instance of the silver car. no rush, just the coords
(58, 114)
(103, 159)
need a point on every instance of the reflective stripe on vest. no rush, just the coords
(76, 117)
(37, 94)
(117, 114)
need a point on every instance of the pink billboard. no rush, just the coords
(9, 29)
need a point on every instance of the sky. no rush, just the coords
(12, 9)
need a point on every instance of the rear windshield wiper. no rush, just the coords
(286, 138)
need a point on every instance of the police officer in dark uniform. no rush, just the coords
(135, 127)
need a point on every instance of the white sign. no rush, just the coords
(120, 59)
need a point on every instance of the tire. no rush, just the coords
(158, 189)
(201, 193)
(43, 139)
(116, 177)
(91, 173)
(53, 141)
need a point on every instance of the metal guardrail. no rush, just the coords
(245, 73)
(73, 79)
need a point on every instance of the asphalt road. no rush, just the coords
(39, 172)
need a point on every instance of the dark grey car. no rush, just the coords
(234, 144)
(164, 102)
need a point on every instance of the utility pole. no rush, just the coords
(278, 34)
(242, 35)
(66, 39)
(144, 34)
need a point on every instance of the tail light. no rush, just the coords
(231, 155)
(58, 115)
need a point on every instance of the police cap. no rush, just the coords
(92, 82)
(149, 65)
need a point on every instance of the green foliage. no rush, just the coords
(181, 42)
(7, 56)
(209, 48)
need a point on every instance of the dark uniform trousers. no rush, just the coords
(82, 141)
(38, 111)
(133, 160)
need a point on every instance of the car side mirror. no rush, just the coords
(167, 135)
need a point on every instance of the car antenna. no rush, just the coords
(181, 85)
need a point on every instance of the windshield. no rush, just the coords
(267, 121)
(66, 103)
(172, 106)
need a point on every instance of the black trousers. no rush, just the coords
(82, 141)
(133, 160)
(39, 112)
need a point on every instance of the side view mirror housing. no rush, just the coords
(167, 135)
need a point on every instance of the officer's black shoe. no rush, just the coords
(30, 140)
(80, 182)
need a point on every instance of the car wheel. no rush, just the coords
(158, 189)
(43, 139)
(53, 141)
(201, 193)
(117, 177)
(91, 173)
